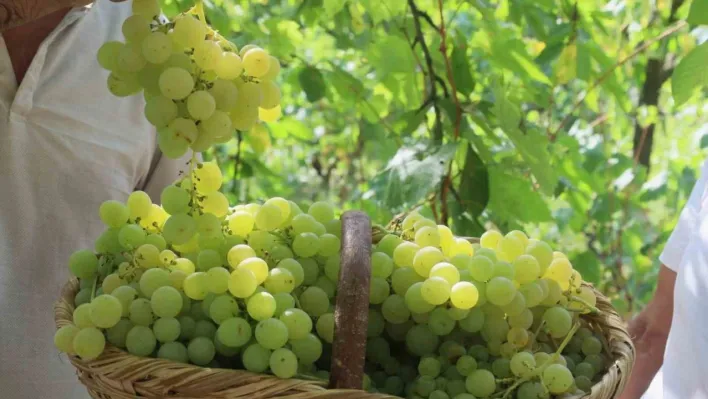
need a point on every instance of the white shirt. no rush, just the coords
(684, 374)
(66, 145)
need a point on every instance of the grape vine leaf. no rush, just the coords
(383, 10)
(411, 175)
(332, 7)
(532, 145)
(698, 14)
(512, 199)
(690, 74)
(391, 55)
(312, 83)
(589, 267)
(704, 141)
(474, 184)
(461, 72)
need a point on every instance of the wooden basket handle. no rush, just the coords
(351, 314)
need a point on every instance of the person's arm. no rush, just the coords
(649, 331)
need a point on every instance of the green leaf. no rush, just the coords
(474, 184)
(332, 7)
(290, 127)
(584, 67)
(407, 180)
(691, 74)
(698, 14)
(589, 267)
(704, 141)
(461, 70)
(512, 199)
(392, 55)
(383, 10)
(312, 83)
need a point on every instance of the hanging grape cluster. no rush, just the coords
(197, 85)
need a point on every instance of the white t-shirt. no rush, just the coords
(684, 374)
(66, 145)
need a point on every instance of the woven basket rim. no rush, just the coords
(117, 374)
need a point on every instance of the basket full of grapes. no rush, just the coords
(193, 297)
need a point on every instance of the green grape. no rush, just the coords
(415, 300)
(435, 290)
(126, 295)
(218, 280)
(440, 322)
(298, 323)
(201, 351)
(306, 245)
(325, 327)
(516, 306)
(229, 66)
(166, 329)
(271, 95)
(205, 328)
(283, 302)
(295, 268)
(273, 69)
(283, 363)
(310, 271)
(82, 316)
(521, 320)
(261, 306)
(201, 105)
(464, 295)
(196, 285)
(241, 223)
(108, 55)
(532, 390)
(148, 255)
(533, 294)
(487, 253)
(271, 333)
(481, 383)
(584, 369)
(307, 349)
(117, 334)
(425, 385)
(378, 290)
(583, 383)
(135, 28)
(329, 245)
(131, 236)
(466, 365)
(130, 59)
(215, 203)
(557, 378)
(269, 217)
(208, 259)
(175, 351)
(458, 314)
(141, 312)
(404, 253)
(279, 280)
(222, 308)
(106, 310)
(107, 242)
(518, 337)
(421, 341)
(596, 361)
(463, 263)
(526, 269)
(332, 267)
(481, 268)
(113, 213)
(256, 358)
(187, 328)
(303, 223)
(586, 295)
(157, 48)
(166, 302)
(88, 343)
(64, 338)
(176, 83)
(323, 212)
(557, 321)
(425, 259)
(256, 62)
(111, 282)
(175, 199)
(490, 239)
(182, 264)
(376, 325)
(402, 279)
(139, 204)
(189, 31)
(500, 291)
(560, 270)
(242, 283)
(225, 94)
(152, 279)
(179, 229)
(381, 265)
(314, 301)
(234, 332)
(591, 346)
(446, 271)
(428, 236)
(140, 341)
(394, 309)
(503, 269)
(542, 252)
(240, 253)
(554, 292)
(123, 84)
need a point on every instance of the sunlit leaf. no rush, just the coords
(690, 75)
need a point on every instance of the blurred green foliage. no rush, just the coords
(554, 116)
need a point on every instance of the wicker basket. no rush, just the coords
(119, 375)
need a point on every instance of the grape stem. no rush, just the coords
(535, 334)
(547, 363)
(199, 8)
(593, 309)
(93, 289)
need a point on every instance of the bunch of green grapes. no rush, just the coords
(198, 86)
(252, 287)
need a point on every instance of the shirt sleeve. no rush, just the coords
(163, 172)
(687, 225)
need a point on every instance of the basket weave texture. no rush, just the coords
(117, 374)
